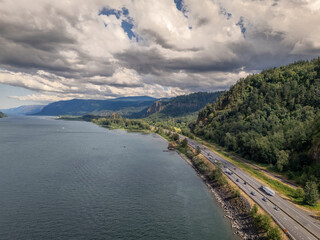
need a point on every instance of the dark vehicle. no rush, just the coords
(264, 199)
(237, 180)
(245, 183)
(253, 193)
(276, 208)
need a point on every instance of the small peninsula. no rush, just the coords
(2, 115)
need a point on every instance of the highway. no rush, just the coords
(298, 223)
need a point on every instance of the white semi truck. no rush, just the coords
(268, 190)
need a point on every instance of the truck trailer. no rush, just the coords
(268, 190)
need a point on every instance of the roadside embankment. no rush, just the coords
(246, 222)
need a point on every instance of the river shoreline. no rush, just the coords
(241, 222)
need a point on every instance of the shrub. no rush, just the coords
(254, 210)
(237, 193)
(263, 221)
(274, 233)
(198, 150)
(184, 143)
(299, 193)
(175, 137)
(189, 154)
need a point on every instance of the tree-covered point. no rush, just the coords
(272, 117)
(2, 115)
(116, 121)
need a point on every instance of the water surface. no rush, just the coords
(75, 180)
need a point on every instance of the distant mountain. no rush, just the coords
(125, 106)
(2, 115)
(134, 99)
(181, 105)
(24, 110)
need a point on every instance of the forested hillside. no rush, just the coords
(182, 105)
(272, 117)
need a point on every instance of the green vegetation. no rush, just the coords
(177, 113)
(217, 175)
(254, 210)
(271, 118)
(116, 121)
(2, 115)
(199, 163)
(311, 193)
(263, 222)
(300, 193)
(274, 233)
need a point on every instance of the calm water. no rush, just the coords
(75, 180)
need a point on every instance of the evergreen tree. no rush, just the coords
(311, 193)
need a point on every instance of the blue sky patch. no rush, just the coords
(126, 25)
(109, 12)
(180, 7)
(242, 27)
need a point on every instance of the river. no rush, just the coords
(75, 180)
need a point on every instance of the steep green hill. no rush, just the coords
(2, 115)
(181, 105)
(272, 117)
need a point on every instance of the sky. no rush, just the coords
(101, 49)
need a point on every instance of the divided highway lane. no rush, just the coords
(297, 222)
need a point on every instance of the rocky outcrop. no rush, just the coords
(172, 145)
(157, 106)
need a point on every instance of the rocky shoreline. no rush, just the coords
(237, 210)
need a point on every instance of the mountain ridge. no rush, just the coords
(80, 107)
(181, 105)
(24, 110)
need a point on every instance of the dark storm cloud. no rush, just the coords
(153, 62)
(164, 48)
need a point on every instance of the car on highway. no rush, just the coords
(276, 208)
(228, 171)
(253, 193)
(264, 199)
(237, 180)
(245, 183)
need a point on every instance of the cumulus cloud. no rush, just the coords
(102, 49)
